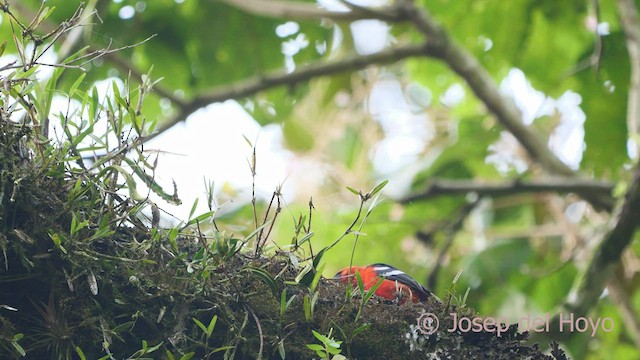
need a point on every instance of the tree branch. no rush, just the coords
(617, 237)
(438, 46)
(278, 78)
(623, 222)
(555, 184)
(483, 86)
(128, 68)
(630, 316)
(631, 25)
(294, 10)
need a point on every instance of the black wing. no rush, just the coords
(393, 274)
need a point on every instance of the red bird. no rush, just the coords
(396, 284)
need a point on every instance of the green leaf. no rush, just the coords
(131, 183)
(193, 208)
(354, 191)
(281, 351)
(212, 325)
(94, 102)
(315, 347)
(378, 188)
(151, 183)
(305, 238)
(222, 348)
(46, 98)
(264, 277)
(372, 290)
(44, 14)
(57, 239)
(123, 326)
(360, 283)
(319, 336)
(26, 75)
(306, 277)
(154, 348)
(303, 273)
(16, 346)
(306, 304)
(360, 329)
(74, 86)
(283, 302)
(317, 277)
(80, 353)
(606, 140)
(255, 232)
(188, 356)
(200, 325)
(173, 238)
(318, 257)
(201, 218)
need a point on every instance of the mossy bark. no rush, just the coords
(66, 291)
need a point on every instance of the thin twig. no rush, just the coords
(630, 316)
(311, 208)
(350, 228)
(593, 61)
(441, 187)
(260, 241)
(264, 221)
(252, 166)
(257, 321)
(231, 352)
(618, 235)
(449, 229)
(275, 217)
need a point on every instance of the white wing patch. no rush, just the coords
(391, 273)
(382, 267)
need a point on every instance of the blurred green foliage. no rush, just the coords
(201, 45)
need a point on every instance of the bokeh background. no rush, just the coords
(234, 76)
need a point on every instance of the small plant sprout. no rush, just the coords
(460, 300)
(366, 295)
(328, 347)
(284, 305)
(144, 350)
(207, 332)
(363, 199)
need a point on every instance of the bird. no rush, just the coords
(396, 285)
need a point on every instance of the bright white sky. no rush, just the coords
(210, 145)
